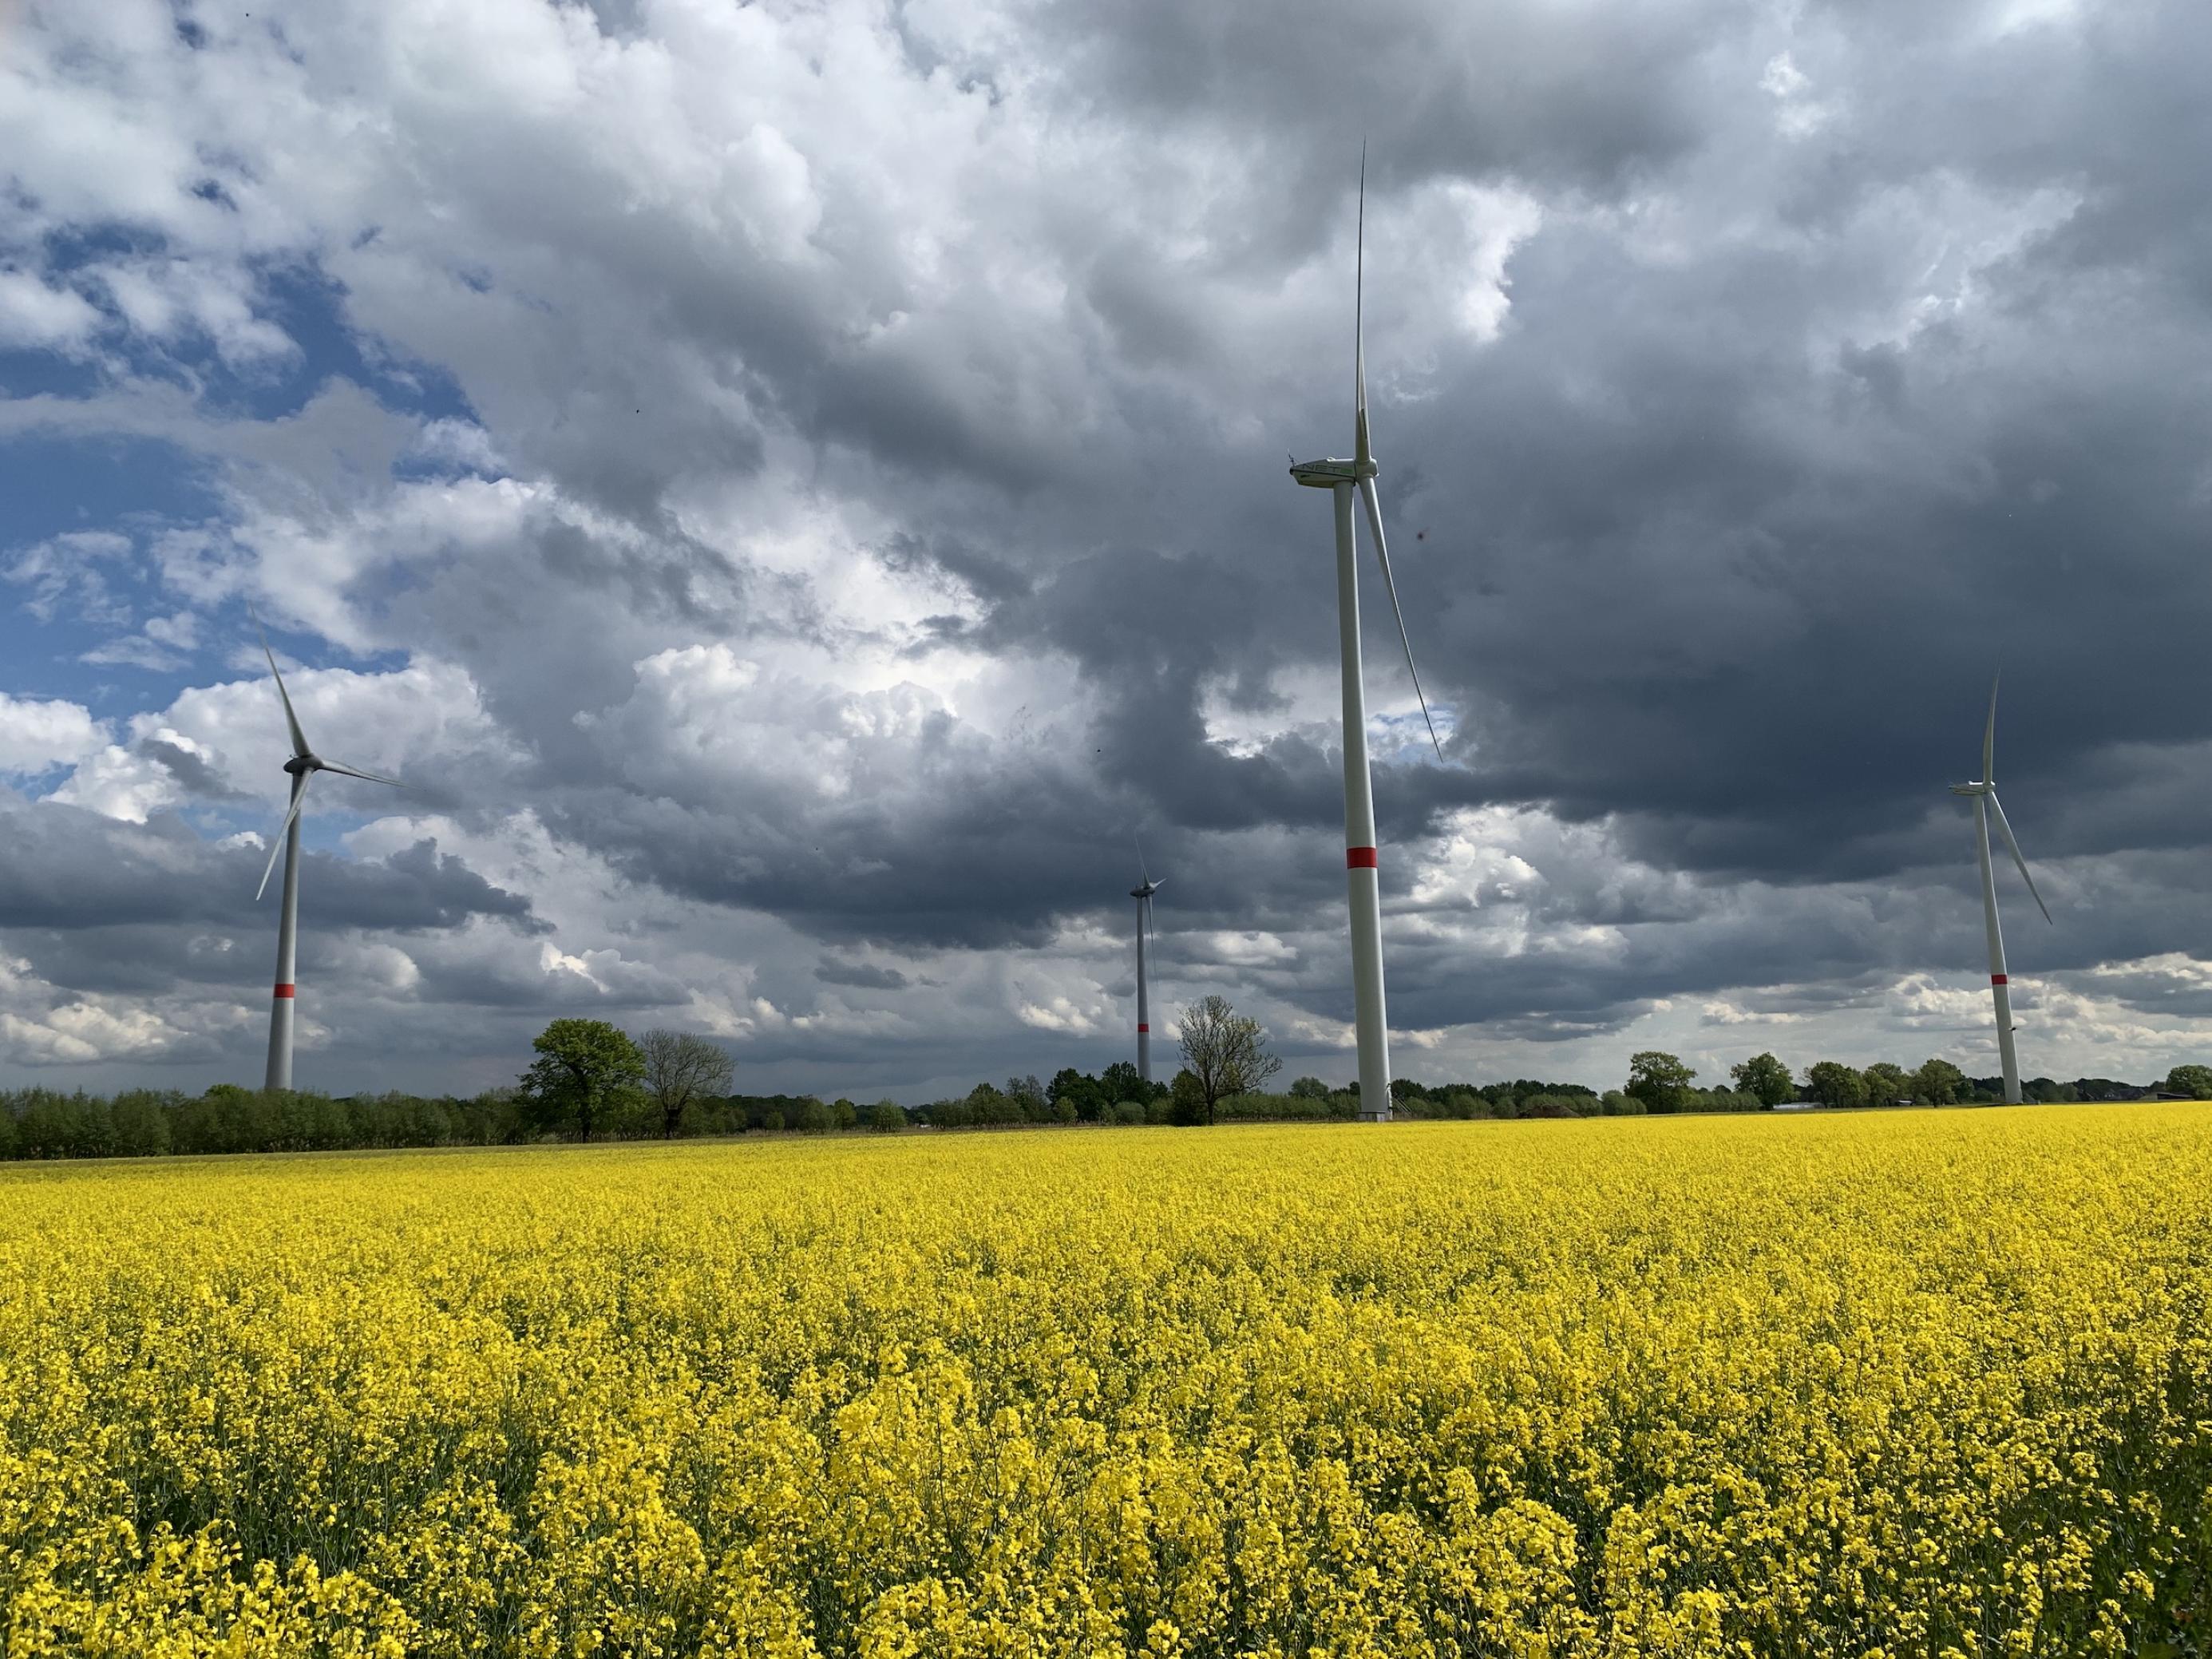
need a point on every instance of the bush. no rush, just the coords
(887, 1117)
(1126, 1111)
(1063, 1110)
(815, 1118)
(772, 1119)
(1615, 1102)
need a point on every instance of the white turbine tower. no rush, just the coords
(305, 763)
(1143, 895)
(1984, 794)
(1363, 877)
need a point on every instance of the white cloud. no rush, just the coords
(37, 734)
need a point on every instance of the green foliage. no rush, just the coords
(586, 1072)
(2190, 1082)
(1660, 1080)
(1126, 1111)
(1887, 1085)
(1765, 1075)
(1939, 1083)
(1836, 1085)
(814, 1118)
(887, 1117)
(1309, 1088)
(1618, 1103)
(1187, 1102)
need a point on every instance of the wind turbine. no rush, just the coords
(1345, 478)
(1143, 894)
(1984, 794)
(304, 764)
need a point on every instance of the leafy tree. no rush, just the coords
(887, 1117)
(1766, 1077)
(1658, 1079)
(1225, 1051)
(585, 1070)
(814, 1118)
(1618, 1103)
(1187, 1100)
(2190, 1082)
(1027, 1096)
(1835, 1084)
(1119, 1082)
(1939, 1083)
(681, 1068)
(1310, 1088)
(1080, 1093)
(1886, 1084)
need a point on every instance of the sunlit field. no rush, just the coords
(1912, 1383)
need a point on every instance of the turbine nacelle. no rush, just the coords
(1327, 475)
(1972, 788)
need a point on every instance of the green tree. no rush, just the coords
(2190, 1082)
(1939, 1083)
(1119, 1082)
(887, 1117)
(1225, 1051)
(585, 1071)
(814, 1118)
(679, 1069)
(1660, 1080)
(1886, 1084)
(1309, 1088)
(1835, 1084)
(1766, 1077)
(1187, 1100)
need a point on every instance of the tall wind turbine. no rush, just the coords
(1984, 794)
(304, 764)
(1344, 478)
(1143, 894)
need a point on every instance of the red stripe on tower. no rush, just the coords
(283, 990)
(1144, 1031)
(1999, 979)
(1359, 857)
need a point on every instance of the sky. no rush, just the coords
(797, 491)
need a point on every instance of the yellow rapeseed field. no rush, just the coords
(1921, 1384)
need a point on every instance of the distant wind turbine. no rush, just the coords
(1985, 793)
(305, 763)
(1143, 894)
(1345, 478)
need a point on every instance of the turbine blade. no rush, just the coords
(356, 772)
(1997, 807)
(1143, 874)
(277, 846)
(300, 749)
(1362, 452)
(1990, 734)
(1367, 493)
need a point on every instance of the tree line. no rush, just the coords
(591, 1081)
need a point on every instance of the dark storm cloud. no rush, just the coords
(860, 974)
(68, 869)
(1852, 354)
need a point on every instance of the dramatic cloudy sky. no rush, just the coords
(795, 488)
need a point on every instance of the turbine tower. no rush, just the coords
(1143, 895)
(304, 764)
(1984, 794)
(1363, 877)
